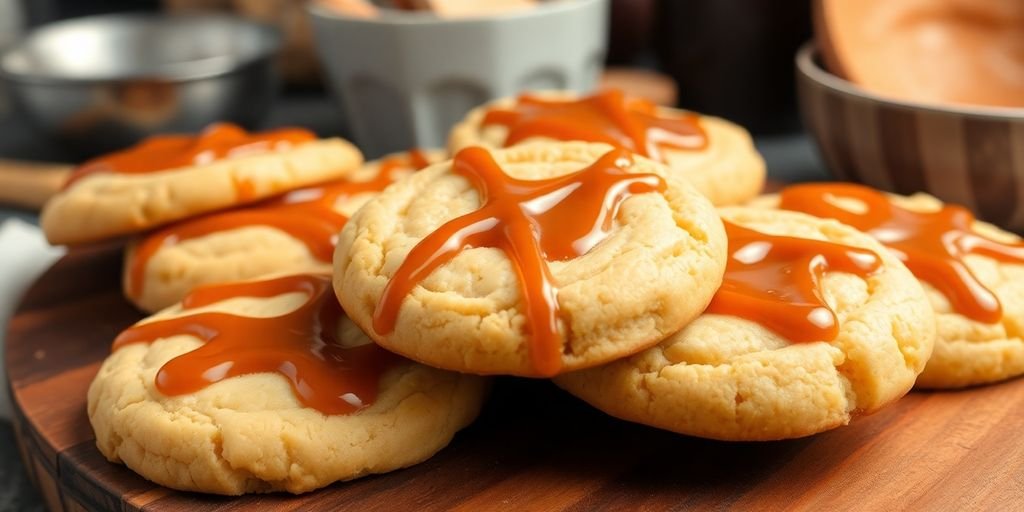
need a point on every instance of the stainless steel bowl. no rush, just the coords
(104, 82)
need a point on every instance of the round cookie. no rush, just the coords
(265, 238)
(653, 272)
(108, 204)
(252, 433)
(729, 170)
(726, 377)
(967, 352)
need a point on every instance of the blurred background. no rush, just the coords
(719, 63)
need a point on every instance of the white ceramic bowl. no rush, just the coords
(404, 78)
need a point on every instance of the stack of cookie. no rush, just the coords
(227, 206)
(592, 240)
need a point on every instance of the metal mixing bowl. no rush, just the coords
(104, 82)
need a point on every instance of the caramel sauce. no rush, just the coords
(531, 221)
(302, 346)
(306, 214)
(607, 116)
(931, 244)
(216, 142)
(776, 282)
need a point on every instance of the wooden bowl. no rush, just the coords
(972, 156)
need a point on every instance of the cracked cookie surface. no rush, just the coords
(968, 352)
(243, 252)
(728, 171)
(655, 271)
(725, 377)
(106, 205)
(249, 433)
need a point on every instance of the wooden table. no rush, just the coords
(534, 447)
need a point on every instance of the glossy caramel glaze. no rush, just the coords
(307, 215)
(776, 282)
(532, 222)
(301, 345)
(607, 116)
(216, 142)
(932, 244)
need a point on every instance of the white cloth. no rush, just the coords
(24, 254)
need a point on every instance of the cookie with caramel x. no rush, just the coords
(532, 260)
(167, 178)
(291, 233)
(264, 386)
(972, 271)
(716, 156)
(814, 325)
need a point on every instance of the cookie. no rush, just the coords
(718, 157)
(532, 260)
(288, 234)
(265, 386)
(973, 273)
(850, 335)
(173, 177)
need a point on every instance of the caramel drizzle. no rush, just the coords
(306, 214)
(932, 244)
(607, 116)
(532, 222)
(216, 142)
(301, 345)
(776, 282)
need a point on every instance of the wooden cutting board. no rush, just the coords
(534, 447)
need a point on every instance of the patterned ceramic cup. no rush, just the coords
(972, 156)
(405, 78)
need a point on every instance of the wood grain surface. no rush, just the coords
(534, 447)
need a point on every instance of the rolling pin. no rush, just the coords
(30, 184)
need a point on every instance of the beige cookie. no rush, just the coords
(105, 205)
(725, 377)
(729, 170)
(969, 352)
(656, 269)
(251, 433)
(269, 237)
